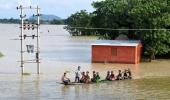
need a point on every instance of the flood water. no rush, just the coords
(61, 52)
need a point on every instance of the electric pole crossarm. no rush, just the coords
(29, 7)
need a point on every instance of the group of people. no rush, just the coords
(126, 74)
(83, 77)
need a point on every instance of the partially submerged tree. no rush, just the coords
(153, 14)
(79, 19)
(137, 14)
(129, 14)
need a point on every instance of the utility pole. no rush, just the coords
(38, 51)
(23, 36)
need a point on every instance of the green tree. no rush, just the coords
(153, 14)
(128, 14)
(114, 14)
(79, 19)
(11, 20)
(136, 14)
(57, 22)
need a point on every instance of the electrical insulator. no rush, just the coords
(32, 27)
(33, 36)
(25, 36)
(28, 26)
(24, 26)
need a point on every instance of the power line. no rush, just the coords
(111, 29)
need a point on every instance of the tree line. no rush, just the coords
(152, 17)
(17, 21)
(11, 20)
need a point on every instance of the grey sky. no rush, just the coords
(61, 8)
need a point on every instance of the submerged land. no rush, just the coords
(63, 48)
(62, 52)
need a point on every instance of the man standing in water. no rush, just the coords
(77, 74)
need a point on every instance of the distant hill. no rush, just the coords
(46, 17)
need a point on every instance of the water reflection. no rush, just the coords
(29, 89)
(142, 89)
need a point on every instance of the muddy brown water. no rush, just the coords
(61, 52)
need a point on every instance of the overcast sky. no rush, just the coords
(61, 8)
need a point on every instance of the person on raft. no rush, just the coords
(64, 79)
(108, 76)
(125, 75)
(87, 77)
(97, 77)
(93, 79)
(77, 75)
(119, 76)
(112, 76)
(129, 74)
(83, 78)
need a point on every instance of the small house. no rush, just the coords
(117, 51)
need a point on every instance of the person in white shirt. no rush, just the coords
(64, 79)
(77, 75)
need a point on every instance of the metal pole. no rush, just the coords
(38, 51)
(21, 37)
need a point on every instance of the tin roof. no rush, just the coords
(116, 42)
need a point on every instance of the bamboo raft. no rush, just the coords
(102, 81)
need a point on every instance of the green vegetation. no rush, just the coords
(54, 22)
(128, 14)
(57, 22)
(1, 54)
(11, 20)
(17, 21)
(79, 19)
(26, 74)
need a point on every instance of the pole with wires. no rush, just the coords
(26, 25)
(21, 37)
(38, 51)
